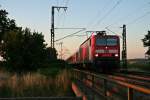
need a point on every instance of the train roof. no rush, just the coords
(101, 36)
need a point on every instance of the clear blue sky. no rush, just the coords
(90, 14)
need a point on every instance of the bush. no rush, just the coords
(54, 68)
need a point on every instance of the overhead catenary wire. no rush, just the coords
(118, 2)
(57, 2)
(66, 3)
(61, 16)
(70, 35)
(92, 21)
(135, 20)
(69, 28)
(113, 32)
(64, 17)
(99, 21)
(129, 14)
(131, 22)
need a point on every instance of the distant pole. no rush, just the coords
(61, 50)
(124, 48)
(52, 28)
(61, 43)
(52, 23)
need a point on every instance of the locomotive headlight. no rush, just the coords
(96, 55)
(116, 55)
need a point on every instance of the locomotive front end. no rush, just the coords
(107, 52)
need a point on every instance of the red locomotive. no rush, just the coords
(100, 52)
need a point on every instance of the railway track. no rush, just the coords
(134, 77)
(130, 76)
(136, 80)
(117, 84)
(135, 72)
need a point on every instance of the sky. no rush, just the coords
(94, 15)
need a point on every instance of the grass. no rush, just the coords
(36, 84)
(138, 66)
(54, 71)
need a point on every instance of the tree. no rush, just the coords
(6, 24)
(146, 43)
(51, 54)
(23, 50)
(26, 51)
(11, 48)
(33, 49)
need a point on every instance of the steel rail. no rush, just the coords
(130, 80)
(130, 86)
(134, 77)
(135, 72)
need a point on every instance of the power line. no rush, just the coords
(129, 14)
(57, 1)
(70, 35)
(62, 16)
(118, 2)
(113, 32)
(68, 28)
(67, 2)
(63, 19)
(97, 16)
(135, 20)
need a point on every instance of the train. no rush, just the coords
(100, 52)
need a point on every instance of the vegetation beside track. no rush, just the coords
(36, 84)
(53, 69)
(138, 66)
(29, 67)
(52, 79)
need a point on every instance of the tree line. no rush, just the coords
(146, 43)
(21, 49)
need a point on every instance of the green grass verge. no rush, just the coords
(138, 66)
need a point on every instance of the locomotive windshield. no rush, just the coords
(108, 41)
(111, 42)
(101, 41)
